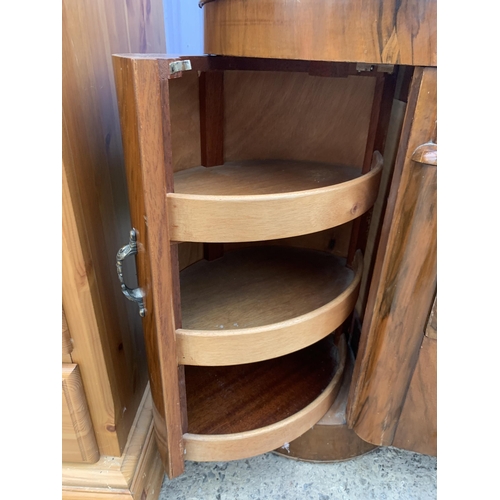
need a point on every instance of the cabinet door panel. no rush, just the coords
(404, 278)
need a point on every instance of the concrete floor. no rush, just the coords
(385, 473)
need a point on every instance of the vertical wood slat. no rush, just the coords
(78, 439)
(359, 232)
(212, 134)
(403, 282)
(143, 101)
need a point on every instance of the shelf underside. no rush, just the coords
(259, 200)
(240, 411)
(258, 303)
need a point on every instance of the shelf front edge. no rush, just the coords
(226, 219)
(223, 447)
(248, 345)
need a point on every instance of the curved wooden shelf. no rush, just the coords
(267, 199)
(241, 411)
(259, 303)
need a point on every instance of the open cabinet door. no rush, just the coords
(143, 102)
(402, 289)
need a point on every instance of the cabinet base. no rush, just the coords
(330, 440)
(136, 475)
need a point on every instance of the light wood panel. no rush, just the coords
(266, 394)
(78, 439)
(222, 217)
(371, 31)
(404, 279)
(136, 475)
(417, 426)
(279, 300)
(143, 99)
(296, 116)
(92, 153)
(81, 312)
(67, 346)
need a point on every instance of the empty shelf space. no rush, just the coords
(257, 303)
(267, 199)
(241, 411)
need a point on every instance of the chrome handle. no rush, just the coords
(134, 294)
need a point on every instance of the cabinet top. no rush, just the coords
(367, 31)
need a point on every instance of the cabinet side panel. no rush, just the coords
(93, 158)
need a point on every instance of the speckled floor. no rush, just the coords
(385, 473)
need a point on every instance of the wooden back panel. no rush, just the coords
(296, 116)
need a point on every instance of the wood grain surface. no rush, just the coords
(242, 411)
(404, 279)
(136, 475)
(78, 438)
(82, 313)
(259, 303)
(272, 210)
(296, 116)
(417, 426)
(368, 31)
(92, 154)
(143, 101)
(431, 329)
(67, 346)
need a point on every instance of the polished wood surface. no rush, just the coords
(92, 155)
(296, 116)
(378, 211)
(431, 330)
(330, 440)
(417, 427)
(365, 31)
(78, 438)
(265, 190)
(143, 102)
(242, 411)
(136, 475)
(259, 303)
(404, 279)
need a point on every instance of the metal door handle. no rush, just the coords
(134, 294)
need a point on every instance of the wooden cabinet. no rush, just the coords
(282, 193)
(286, 157)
